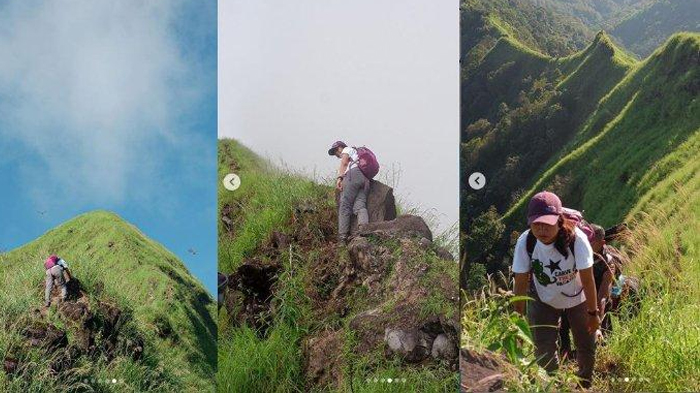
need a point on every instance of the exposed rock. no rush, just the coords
(74, 311)
(279, 240)
(249, 292)
(424, 243)
(10, 365)
(381, 205)
(323, 353)
(406, 226)
(411, 345)
(45, 335)
(443, 253)
(64, 359)
(482, 372)
(444, 348)
(226, 214)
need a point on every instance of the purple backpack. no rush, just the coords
(367, 162)
(581, 223)
(50, 262)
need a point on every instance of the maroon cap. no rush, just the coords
(544, 207)
(334, 146)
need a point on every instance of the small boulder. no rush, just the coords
(411, 345)
(444, 348)
(405, 226)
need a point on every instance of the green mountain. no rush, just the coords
(618, 139)
(598, 14)
(547, 31)
(301, 313)
(519, 110)
(647, 29)
(135, 316)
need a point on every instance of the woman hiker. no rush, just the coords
(56, 273)
(561, 263)
(353, 186)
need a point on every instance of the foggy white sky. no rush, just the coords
(294, 76)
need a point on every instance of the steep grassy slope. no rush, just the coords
(628, 140)
(163, 308)
(317, 328)
(645, 30)
(635, 159)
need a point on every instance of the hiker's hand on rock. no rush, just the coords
(593, 323)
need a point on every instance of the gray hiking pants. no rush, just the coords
(353, 199)
(54, 275)
(545, 337)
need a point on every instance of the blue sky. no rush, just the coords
(110, 105)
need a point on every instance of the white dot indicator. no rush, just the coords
(389, 380)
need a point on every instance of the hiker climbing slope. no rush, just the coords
(561, 263)
(358, 166)
(57, 273)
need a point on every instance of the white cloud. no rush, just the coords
(92, 90)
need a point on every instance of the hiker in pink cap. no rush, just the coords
(56, 273)
(553, 264)
(358, 166)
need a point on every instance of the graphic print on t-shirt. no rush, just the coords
(561, 277)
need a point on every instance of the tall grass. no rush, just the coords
(490, 323)
(658, 349)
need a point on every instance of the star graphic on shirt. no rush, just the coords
(553, 266)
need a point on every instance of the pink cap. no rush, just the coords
(544, 207)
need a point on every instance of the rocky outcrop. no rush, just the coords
(405, 226)
(381, 205)
(395, 265)
(86, 322)
(482, 372)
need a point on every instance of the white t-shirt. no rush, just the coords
(556, 278)
(353, 157)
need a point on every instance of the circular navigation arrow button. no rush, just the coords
(232, 182)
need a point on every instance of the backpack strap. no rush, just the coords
(571, 247)
(530, 242)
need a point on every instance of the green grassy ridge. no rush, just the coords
(645, 118)
(248, 362)
(645, 30)
(545, 30)
(510, 67)
(483, 22)
(142, 278)
(520, 98)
